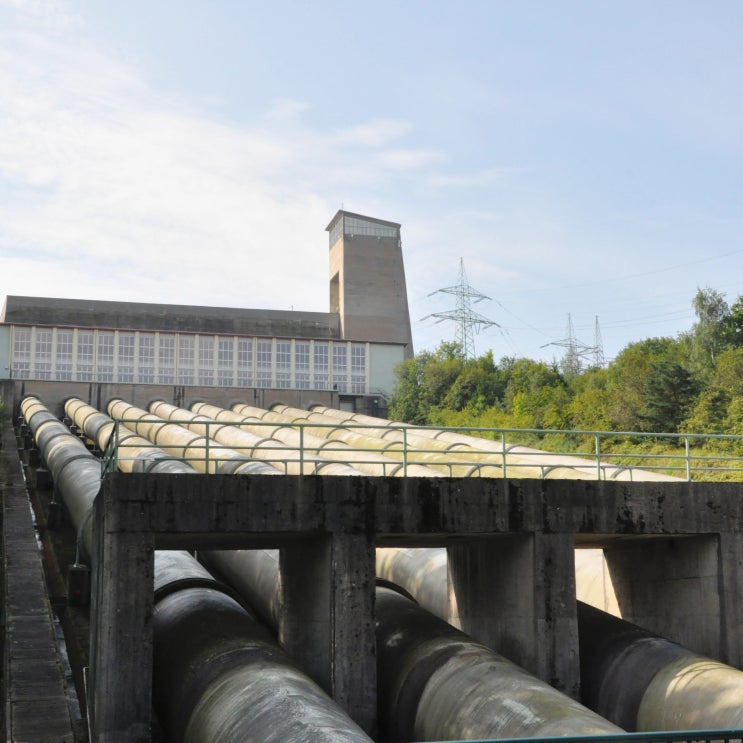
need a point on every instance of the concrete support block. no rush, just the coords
(516, 594)
(78, 585)
(670, 586)
(54, 514)
(731, 598)
(327, 618)
(42, 478)
(120, 696)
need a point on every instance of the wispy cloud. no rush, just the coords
(477, 179)
(376, 133)
(111, 188)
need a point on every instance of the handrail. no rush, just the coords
(513, 460)
(669, 736)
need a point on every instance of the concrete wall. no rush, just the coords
(54, 395)
(672, 587)
(382, 363)
(367, 285)
(4, 352)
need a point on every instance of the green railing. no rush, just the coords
(672, 736)
(602, 455)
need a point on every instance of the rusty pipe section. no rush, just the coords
(636, 679)
(435, 682)
(201, 452)
(258, 445)
(370, 462)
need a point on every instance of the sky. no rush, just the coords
(582, 158)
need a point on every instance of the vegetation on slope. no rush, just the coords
(689, 384)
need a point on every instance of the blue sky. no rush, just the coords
(582, 157)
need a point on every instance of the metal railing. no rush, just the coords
(599, 455)
(671, 736)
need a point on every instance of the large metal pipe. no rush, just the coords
(646, 682)
(135, 454)
(521, 461)
(201, 452)
(218, 675)
(369, 461)
(75, 471)
(233, 438)
(434, 681)
(632, 677)
(452, 460)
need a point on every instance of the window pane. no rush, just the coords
(64, 355)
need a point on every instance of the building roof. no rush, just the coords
(21, 310)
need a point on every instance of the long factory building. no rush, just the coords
(507, 577)
(347, 354)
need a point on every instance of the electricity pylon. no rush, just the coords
(464, 316)
(571, 363)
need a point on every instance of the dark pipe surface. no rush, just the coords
(434, 682)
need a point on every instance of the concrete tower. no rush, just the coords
(367, 280)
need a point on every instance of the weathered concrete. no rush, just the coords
(512, 543)
(367, 281)
(517, 594)
(323, 581)
(136, 513)
(36, 700)
(670, 586)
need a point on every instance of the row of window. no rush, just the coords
(76, 354)
(348, 225)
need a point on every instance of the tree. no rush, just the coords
(732, 330)
(423, 382)
(708, 333)
(709, 414)
(628, 380)
(670, 394)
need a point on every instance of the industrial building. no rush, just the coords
(350, 350)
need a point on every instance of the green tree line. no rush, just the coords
(689, 384)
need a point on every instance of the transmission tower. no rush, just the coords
(464, 316)
(598, 347)
(571, 363)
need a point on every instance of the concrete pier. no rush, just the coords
(511, 544)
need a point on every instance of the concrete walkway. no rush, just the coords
(36, 706)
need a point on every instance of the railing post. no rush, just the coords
(688, 458)
(405, 451)
(206, 450)
(301, 448)
(598, 455)
(503, 450)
